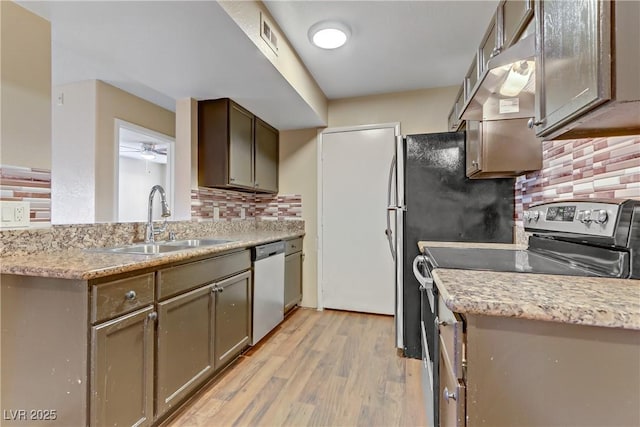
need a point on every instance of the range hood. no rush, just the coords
(506, 89)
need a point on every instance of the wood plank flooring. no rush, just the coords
(319, 368)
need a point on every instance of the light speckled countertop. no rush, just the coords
(86, 264)
(613, 303)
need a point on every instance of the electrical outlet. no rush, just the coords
(216, 213)
(14, 214)
(18, 214)
(242, 213)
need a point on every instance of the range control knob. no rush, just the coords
(527, 216)
(584, 217)
(535, 215)
(599, 216)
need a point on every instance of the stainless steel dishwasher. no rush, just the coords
(268, 289)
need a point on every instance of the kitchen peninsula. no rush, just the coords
(98, 332)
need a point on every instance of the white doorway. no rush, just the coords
(356, 269)
(145, 159)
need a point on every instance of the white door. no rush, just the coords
(358, 272)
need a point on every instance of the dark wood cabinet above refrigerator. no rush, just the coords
(501, 149)
(236, 150)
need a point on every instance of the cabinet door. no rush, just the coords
(473, 148)
(489, 46)
(471, 78)
(573, 74)
(122, 370)
(240, 146)
(515, 16)
(452, 397)
(266, 166)
(232, 317)
(292, 280)
(185, 345)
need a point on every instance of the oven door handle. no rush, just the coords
(426, 283)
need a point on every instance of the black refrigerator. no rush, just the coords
(442, 204)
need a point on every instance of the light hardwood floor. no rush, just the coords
(327, 368)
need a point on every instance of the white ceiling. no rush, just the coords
(394, 45)
(166, 50)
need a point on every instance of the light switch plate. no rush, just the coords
(14, 214)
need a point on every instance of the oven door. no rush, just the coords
(428, 325)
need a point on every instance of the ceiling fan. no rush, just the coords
(147, 150)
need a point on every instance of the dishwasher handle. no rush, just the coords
(268, 250)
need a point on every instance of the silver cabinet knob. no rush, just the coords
(446, 394)
(532, 122)
(232, 179)
(130, 296)
(152, 316)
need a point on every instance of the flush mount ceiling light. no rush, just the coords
(329, 34)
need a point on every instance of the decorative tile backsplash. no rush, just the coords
(28, 185)
(604, 168)
(226, 205)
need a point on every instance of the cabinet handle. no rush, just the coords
(532, 122)
(130, 296)
(232, 180)
(448, 395)
(152, 316)
(216, 289)
(494, 52)
(474, 163)
(257, 185)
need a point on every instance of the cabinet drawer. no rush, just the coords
(174, 280)
(452, 397)
(293, 245)
(451, 338)
(121, 296)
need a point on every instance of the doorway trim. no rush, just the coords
(171, 143)
(393, 125)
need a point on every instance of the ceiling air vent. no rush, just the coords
(268, 34)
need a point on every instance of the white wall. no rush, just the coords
(136, 177)
(84, 172)
(73, 179)
(25, 88)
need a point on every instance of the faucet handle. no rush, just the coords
(172, 235)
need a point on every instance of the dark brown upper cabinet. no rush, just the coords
(266, 157)
(236, 150)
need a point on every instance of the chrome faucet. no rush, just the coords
(151, 232)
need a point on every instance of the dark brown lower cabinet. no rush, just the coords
(292, 280)
(185, 345)
(122, 370)
(232, 317)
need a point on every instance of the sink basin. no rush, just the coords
(162, 247)
(196, 242)
(145, 249)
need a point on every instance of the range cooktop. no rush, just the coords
(515, 261)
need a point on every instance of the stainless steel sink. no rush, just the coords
(196, 242)
(146, 249)
(162, 247)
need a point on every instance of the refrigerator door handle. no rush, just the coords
(389, 232)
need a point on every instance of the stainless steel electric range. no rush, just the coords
(591, 237)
